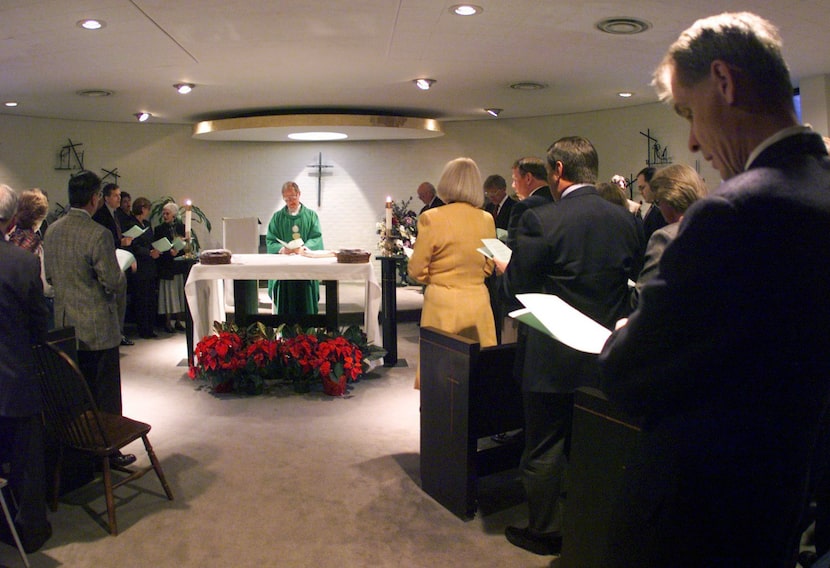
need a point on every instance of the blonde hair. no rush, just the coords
(461, 181)
(678, 186)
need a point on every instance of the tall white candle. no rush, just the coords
(188, 219)
(388, 216)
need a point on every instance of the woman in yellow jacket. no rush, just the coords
(445, 258)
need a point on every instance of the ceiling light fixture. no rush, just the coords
(424, 84)
(142, 116)
(183, 88)
(90, 24)
(95, 93)
(493, 111)
(528, 86)
(625, 94)
(10, 104)
(623, 26)
(466, 9)
(317, 136)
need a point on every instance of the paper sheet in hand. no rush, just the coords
(295, 244)
(178, 243)
(162, 245)
(553, 316)
(501, 234)
(134, 231)
(125, 258)
(494, 248)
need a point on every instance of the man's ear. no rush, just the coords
(724, 79)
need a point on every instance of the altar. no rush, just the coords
(205, 294)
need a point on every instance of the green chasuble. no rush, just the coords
(294, 296)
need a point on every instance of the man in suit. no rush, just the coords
(727, 356)
(499, 204)
(427, 194)
(583, 249)
(530, 182)
(79, 258)
(23, 324)
(653, 219)
(109, 215)
(124, 213)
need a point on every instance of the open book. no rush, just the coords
(134, 231)
(295, 244)
(494, 248)
(554, 317)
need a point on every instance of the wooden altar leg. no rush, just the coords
(389, 309)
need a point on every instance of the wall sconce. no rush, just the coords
(183, 88)
(142, 116)
(424, 84)
(493, 111)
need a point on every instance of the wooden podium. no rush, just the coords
(467, 395)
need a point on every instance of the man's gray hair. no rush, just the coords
(8, 203)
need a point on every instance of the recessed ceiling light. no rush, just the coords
(317, 136)
(623, 26)
(625, 94)
(10, 103)
(466, 9)
(95, 93)
(493, 111)
(424, 84)
(183, 88)
(528, 86)
(142, 116)
(90, 24)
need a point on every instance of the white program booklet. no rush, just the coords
(125, 258)
(162, 245)
(494, 248)
(135, 231)
(553, 316)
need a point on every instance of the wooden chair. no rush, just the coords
(72, 416)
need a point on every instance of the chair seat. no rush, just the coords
(119, 431)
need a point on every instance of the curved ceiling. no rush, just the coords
(247, 57)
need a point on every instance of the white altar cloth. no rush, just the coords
(203, 289)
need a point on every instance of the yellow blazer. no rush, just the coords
(445, 258)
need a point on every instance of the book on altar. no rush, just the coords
(295, 244)
(125, 259)
(554, 317)
(178, 243)
(494, 248)
(134, 231)
(162, 245)
(318, 253)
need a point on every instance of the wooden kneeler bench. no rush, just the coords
(467, 395)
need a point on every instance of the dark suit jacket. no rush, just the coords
(539, 197)
(728, 359)
(141, 247)
(22, 324)
(436, 202)
(582, 249)
(105, 218)
(652, 221)
(503, 218)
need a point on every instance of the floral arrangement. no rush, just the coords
(403, 235)
(244, 360)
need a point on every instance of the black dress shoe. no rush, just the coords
(151, 335)
(122, 460)
(544, 544)
(126, 340)
(169, 328)
(180, 327)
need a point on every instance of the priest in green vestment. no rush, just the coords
(292, 222)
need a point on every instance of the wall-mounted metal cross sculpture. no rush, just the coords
(67, 153)
(319, 173)
(113, 175)
(656, 156)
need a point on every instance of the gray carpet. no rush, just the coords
(275, 480)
